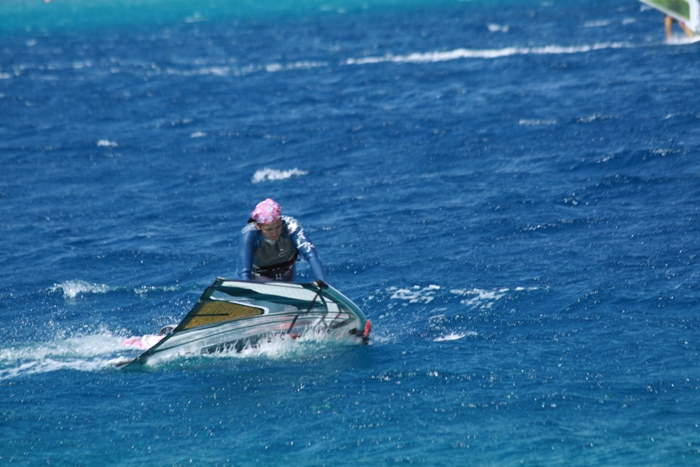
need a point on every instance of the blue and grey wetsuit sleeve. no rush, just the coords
(305, 247)
(246, 249)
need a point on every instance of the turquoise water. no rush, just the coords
(509, 190)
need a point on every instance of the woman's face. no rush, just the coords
(271, 231)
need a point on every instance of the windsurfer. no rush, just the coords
(270, 245)
(668, 23)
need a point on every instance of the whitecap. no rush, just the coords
(528, 122)
(415, 294)
(268, 175)
(104, 143)
(453, 336)
(82, 64)
(432, 57)
(72, 289)
(483, 299)
(596, 23)
(198, 134)
(498, 28)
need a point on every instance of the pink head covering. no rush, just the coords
(266, 211)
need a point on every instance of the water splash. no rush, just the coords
(82, 353)
(453, 336)
(73, 288)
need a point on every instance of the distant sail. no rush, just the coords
(685, 11)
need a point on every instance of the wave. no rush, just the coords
(243, 70)
(415, 294)
(269, 175)
(73, 288)
(432, 57)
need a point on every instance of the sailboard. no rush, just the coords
(685, 11)
(233, 314)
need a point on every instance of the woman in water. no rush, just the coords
(270, 244)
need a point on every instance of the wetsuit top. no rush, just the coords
(256, 252)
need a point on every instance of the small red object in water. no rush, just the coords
(368, 329)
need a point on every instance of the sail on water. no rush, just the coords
(233, 314)
(684, 11)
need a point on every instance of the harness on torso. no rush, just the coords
(274, 260)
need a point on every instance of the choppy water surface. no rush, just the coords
(509, 191)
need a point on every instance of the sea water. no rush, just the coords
(508, 189)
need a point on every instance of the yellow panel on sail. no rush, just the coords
(215, 312)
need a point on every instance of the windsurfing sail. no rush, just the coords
(232, 314)
(685, 11)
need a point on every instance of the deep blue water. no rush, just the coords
(508, 189)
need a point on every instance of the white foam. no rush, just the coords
(79, 65)
(527, 122)
(72, 289)
(481, 298)
(597, 23)
(198, 134)
(210, 70)
(103, 350)
(50, 365)
(104, 143)
(267, 175)
(83, 353)
(682, 40)
(302, 65)
(225, 71)
(101, 343)
(274, 347)
(431, 57)
(415, 294)
(455, 336)
(498, 28)
(485, 299)
(144, 289)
